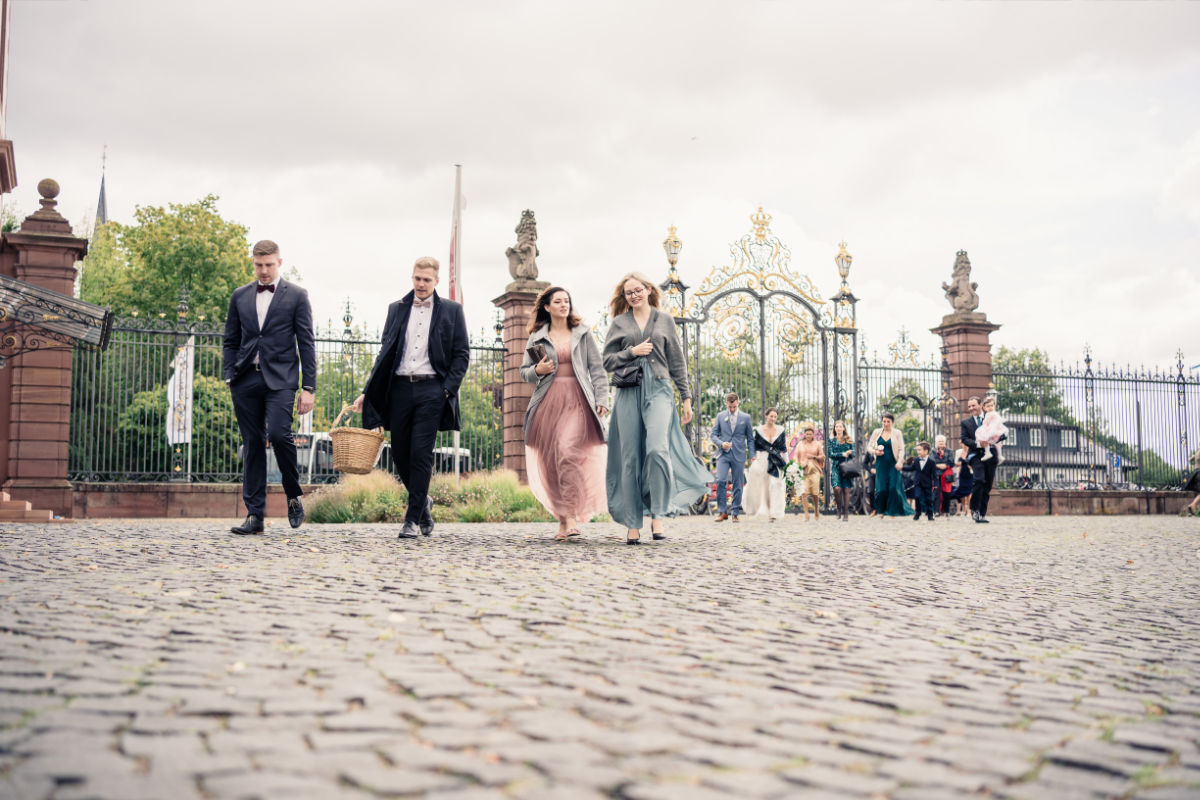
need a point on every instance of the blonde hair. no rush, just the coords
(620, 305)
(844, 437)
(427, 262)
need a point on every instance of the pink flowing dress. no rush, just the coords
(565, 454)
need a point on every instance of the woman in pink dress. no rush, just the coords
(565, 453)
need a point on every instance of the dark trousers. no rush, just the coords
(943, 499)
(984, 473)
(416, 411)
(264, 416)
(923, 501)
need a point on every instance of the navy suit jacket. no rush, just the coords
(449, 353)
(925, 478)
(285, 344)
(966, 435)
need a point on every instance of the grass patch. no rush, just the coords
(378, 497)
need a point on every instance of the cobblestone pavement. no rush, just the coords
(1030, 658)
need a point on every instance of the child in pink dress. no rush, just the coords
(991, 431)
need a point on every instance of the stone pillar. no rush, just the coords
(45, 251)
(966, 337)
(517, 302)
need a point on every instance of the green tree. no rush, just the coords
(215, 436)
(139, 269)
(1024, 383)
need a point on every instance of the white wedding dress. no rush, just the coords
(764, 493)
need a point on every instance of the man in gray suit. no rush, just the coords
(734, 435)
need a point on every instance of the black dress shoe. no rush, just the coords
(409, 531)
(982, 519)
(658, 537)
(295, 512)
(426, 523)
(252, 524)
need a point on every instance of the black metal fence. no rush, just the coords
(1081, 427)
(1070, 426)
(120, 411)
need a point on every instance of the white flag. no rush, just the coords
(456, 291)
(179, 394)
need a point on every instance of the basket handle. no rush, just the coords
(345, 408)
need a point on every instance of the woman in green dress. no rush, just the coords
(838, 449)
(889, 457)
(651, 468)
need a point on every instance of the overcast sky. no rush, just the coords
(1057, 142)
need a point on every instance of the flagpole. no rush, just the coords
(456, 276)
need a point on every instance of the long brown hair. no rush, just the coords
(541, 314)
(844, 436)
(620, 305)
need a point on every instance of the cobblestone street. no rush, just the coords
(1030, 658)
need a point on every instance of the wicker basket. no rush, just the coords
(355, 450)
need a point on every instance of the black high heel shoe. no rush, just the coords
(638, 540)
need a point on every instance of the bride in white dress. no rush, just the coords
(764, 493)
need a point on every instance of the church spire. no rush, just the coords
(102, 203)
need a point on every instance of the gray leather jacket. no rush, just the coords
(585, 360)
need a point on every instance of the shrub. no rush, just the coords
(378, 497)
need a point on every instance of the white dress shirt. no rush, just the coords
(415, 360)
(262, 301)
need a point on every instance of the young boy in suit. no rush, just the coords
(926, 474)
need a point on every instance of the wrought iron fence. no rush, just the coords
(1070, 426)
(120, 410)
(1086, 427)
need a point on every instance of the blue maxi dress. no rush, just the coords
(651, 468)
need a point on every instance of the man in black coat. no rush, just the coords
(984, 472)
(413, 388)
(269, 351)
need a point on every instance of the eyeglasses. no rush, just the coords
(635, 292)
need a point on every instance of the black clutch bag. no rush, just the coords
(851, 467)
(628, 375)
(536, 352)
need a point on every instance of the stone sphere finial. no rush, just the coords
(48, 188)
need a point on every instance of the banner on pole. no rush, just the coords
(179, 394)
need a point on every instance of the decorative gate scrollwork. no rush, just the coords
(759, 328)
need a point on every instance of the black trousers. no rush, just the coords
(984, 473)
(264, 416)
(922, 502)
(416, 412)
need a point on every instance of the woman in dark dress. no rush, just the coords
(1193, 485)
(839, 448)
(889, 458)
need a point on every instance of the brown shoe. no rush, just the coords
(721, 517)
(735, 519)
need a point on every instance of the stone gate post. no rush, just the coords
(966, 336)
(44, 252)
(517, 302)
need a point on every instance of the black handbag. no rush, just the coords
(852, 467)
(628, 375)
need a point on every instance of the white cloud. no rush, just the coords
(1025, 133)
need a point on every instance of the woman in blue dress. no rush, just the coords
(651, 468)
(888, 442)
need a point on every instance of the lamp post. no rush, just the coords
(674, 287)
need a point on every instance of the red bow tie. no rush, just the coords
(423, 303)
(268, 287)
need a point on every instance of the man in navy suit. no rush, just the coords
(733, 433)
(269, 351)
(926, 474)
(984, 472)
(413, 388)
